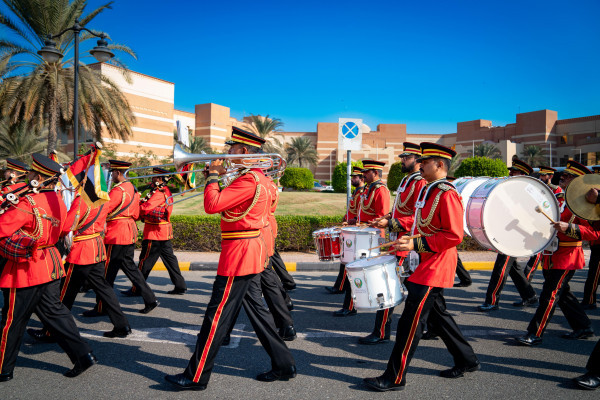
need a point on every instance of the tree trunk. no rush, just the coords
(53, 125)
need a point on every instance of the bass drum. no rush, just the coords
(501, 215)
(466, 186)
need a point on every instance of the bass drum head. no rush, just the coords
(510, 221)
(466, 186)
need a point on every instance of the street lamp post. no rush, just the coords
(51, 55)
(579, 153)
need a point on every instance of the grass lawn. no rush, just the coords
(290, 203)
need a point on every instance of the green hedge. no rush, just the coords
(203, 233)
(481, 166)
(340, 175)
(297, 178)
(395, 176)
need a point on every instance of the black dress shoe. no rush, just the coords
(81, 365)
(6, 377)
(273, 375)
(226, 341)
(344, 312)
(529, 340)
(487, 307)
(92, 313)
(381, 384)
(333, 290)
(457, 372)
(589, 306)
(430, 335)
(130, 293)
(524, 303)
(463, 284)
(182, 382)
(579, 334)
(373, 339)
(587, 381)
(41, 335)
(177, 291)
(288, 333)
(118, 332)
(148, 308)
(289, 304)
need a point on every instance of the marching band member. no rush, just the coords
(593, 278)
(399, 224)
(244, 206)
(14, 175)
(32, 282)
(506, 265)
(121, 234)
(85, 262)
(440, 223)
(158, 233)
(357, 180)
(560, 267)
(373, 204)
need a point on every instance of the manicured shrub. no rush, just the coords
(481, 166)
(395, 176)
(297, 178)
(339, 178)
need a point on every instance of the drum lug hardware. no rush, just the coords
(380, 299)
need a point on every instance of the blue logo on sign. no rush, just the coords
(350, 130)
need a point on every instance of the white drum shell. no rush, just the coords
(466, 186)
(501, 215)
(375, 283)
(356, 242)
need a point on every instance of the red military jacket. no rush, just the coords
(569, 254)
(9, 188)
(157, 216)
(403, 213)
(47, 264)
(244, 206)
(353, 204)
(375, 202)
(121, 229)
(88, 245)
(270, 231)
(440, 222)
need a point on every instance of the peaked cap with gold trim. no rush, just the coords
(16, 165)
(356, 171)
(119, 165)
(546, 170)
(575, 168)
(373, 164)
(45, 165)
(244, 137)
(522, 166)
(429, 150)
(410, 149)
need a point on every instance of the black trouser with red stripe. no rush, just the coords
(94, 274)
(348, 300)
(556, 290)
(532, 265)
(121, 257)
(340, 280)
(44, 300)
(504, 266)
(425, 303)
(593, 364)
(151, 250)
(593, 277)
(228, 295)
(462, 273)
(279, 267)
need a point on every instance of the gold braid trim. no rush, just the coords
(355, 201)
(366, 207)
(79, 223)
(38, 229)
(109, 216)
(229, 216)
(426, 223)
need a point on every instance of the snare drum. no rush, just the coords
(375, 283)
(356, 243)
(327, 243)
(501, 215)
(466, 186)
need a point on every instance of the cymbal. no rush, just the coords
(575, 197)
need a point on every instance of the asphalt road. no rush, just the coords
(330, 362)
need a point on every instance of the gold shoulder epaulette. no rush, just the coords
(444, 187)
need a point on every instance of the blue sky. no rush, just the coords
(428, 64)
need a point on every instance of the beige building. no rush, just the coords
(152, 102)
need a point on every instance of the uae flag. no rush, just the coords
(87, 178)
(185, 177)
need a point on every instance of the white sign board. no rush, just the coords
(183, 134)
(350, 133)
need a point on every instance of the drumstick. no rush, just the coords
(384, 253)
(539, 210)
(418, 235)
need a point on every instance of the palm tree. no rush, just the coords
(533, 155)
(267, 128)
(487, 150)
(454, 164)
(302, 149)
(40, 93)
(19, 142)
(199, 145)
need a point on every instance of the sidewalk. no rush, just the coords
(302, 262)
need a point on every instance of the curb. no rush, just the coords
(306, 266)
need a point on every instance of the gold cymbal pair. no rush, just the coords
(575, 197)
